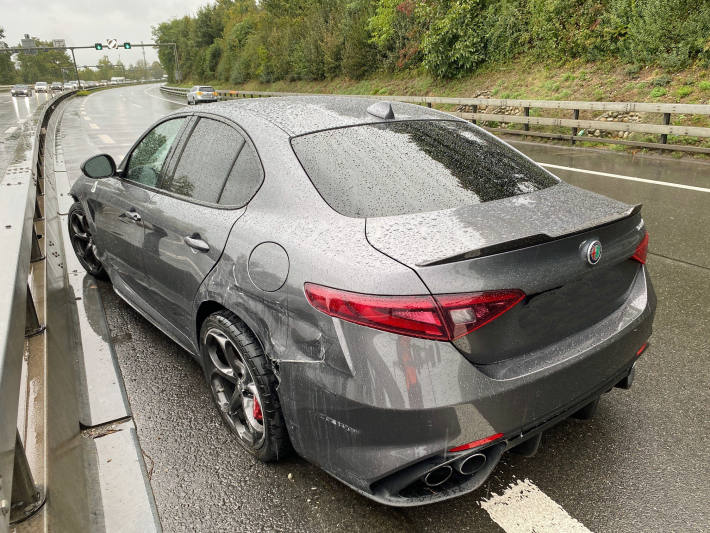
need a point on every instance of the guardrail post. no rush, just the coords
(526, 113)
(38, 210)
(428, 104)
(474, 108)
(36, 254)
(25, 499)
(32, 323)
(575, 116)
(666, 121)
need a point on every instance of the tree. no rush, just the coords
(43, 66)
(7, 67)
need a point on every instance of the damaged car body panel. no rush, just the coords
(407, 312)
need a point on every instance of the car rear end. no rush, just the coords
(41, 87)
(205, 93)
(534, 301)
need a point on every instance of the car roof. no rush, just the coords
(297, 115)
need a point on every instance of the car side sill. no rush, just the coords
(150, 318)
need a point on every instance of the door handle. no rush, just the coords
(196, 243)
(132, 215)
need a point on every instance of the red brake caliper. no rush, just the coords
(257, 410)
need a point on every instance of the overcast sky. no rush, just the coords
(84, 22)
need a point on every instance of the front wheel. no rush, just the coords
(83, 241)
(243, 386)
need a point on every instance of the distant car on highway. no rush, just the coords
(394, 293)
(56, 86)
(41, 87)
(201, 94)
(21, 90)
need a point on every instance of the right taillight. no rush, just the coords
(443, 317)
(641, 250)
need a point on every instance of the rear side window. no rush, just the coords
(205, 162)
(244, 179)
(404, 167)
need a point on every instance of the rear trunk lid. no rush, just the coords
(537, 243)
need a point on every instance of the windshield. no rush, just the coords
(206, 89)
(407, 167)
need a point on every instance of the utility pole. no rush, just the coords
(145, 65)
(76, 70)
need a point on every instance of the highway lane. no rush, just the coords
(14, 112)
(640, 464)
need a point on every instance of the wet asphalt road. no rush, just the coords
(640, 464)
(14, 111)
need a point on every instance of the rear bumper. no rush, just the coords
(408, 400)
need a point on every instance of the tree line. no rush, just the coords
(57, 65)
(270, 40)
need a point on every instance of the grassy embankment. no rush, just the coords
(602, 81)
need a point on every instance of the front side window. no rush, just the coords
(205, 162)
(146, 161)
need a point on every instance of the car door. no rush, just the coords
(117, 205)
(215, 172)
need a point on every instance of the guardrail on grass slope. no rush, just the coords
(575, 124)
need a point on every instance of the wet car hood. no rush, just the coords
(423, 239)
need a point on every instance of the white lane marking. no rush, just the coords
(137, 105)
(161, 98)
(86, 117)
(106, 139)
(93, 126)
(524, 508)
(11, 129)
(629, 178)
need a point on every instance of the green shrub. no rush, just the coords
(661, 81)
(455, 43)
(657, 92)
(704, 85)
(684, 91)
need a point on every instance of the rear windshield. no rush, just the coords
(404, 167)
(207, 89)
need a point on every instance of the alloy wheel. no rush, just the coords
(82, 241)
(234, 389)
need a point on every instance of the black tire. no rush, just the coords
(269, 440)
(83, 242)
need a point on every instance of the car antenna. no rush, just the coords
(381, 110)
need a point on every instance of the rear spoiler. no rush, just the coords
(532, 240)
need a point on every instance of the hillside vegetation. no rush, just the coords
(235, 41)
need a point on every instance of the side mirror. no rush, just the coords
(99, 166)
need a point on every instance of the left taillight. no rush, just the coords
(443, 317)
(641, 250)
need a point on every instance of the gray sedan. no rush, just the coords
(394, 294)
(201, 94)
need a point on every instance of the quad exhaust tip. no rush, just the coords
(438, 476)
(471, 464)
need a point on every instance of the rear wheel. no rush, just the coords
(243, 386)
(83, 241)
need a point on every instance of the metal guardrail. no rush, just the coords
(32, 283)
(20, 207)
(574, 123)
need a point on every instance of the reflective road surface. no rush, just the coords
(14, 112)
(640, 465)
